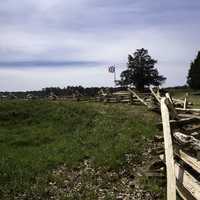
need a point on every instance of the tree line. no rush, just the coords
(61, 92)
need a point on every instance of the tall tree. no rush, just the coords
(193, 78)
(140, 71)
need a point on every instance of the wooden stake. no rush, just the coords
(185, 104)
(171, 179)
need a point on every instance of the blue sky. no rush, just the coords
(76, 40)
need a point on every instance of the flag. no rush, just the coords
(111, 69)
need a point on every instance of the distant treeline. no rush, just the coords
(74, 90)
(67, 91)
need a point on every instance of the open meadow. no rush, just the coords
(38, 137)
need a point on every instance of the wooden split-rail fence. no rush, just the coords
(150, 99)
(181, 130)
(126, 96)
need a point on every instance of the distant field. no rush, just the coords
(38, 136)
(193, 95)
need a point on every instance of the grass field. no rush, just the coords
(193, 95)
(38, 136)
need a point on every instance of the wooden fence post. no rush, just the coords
(185, 103)
(169, 156)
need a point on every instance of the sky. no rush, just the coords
(63, 42)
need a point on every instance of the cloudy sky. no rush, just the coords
(71, 42)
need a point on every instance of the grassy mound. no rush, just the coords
(38, 136)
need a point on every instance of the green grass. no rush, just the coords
(38, 136)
